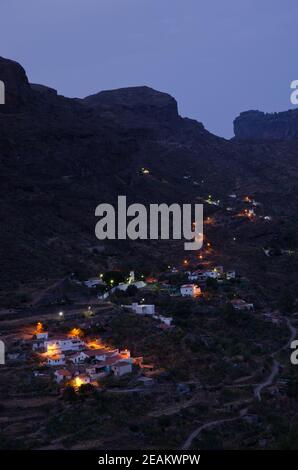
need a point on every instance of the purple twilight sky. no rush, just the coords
(216, 57)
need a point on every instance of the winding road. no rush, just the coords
(197, 431)
(276, 364)
(257, 390)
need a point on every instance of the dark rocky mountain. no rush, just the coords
(256, 125)
(61, 157)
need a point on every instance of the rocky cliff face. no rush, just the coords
(256, 125)
(18, 93)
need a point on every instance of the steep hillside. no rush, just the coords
(61, 157)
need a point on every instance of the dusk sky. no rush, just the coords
(217, 58)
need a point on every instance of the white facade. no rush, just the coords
(190, 290)
(58, 360)
(143, 309)
(42, 335)
(67, 344)
(121, 368)
(78, 358)
(212, 274)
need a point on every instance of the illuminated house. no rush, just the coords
(81, 379)
(77, 358)
(214, 274)
(64, 344)
(99, 354)
(190, 290)
(56, 360)
(42, 335)
(197, 276)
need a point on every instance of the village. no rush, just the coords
(181, 344)
(75, 358)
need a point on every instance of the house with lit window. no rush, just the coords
(199, 276)
(64, 343)
(190, 290)
(56, 360)
(77, 358)
(213, 274)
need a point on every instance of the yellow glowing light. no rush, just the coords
(39, 327)
(51, 349)
(77, 382)
(75, 332)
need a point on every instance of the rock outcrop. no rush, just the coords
(256, 125)
(18, 93)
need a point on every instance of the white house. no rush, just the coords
(143, 309)
(56, 360)
(214, 274)
(77, 358)
(190, 290)
(62, 375)
(95, 373)
(42, 335)
(197, 276)
(121, 368)
(64, 344)
(99, 354)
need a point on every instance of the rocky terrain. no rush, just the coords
(256, 125)
(61, 157)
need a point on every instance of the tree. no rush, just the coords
(211, 285)
(69, 394)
